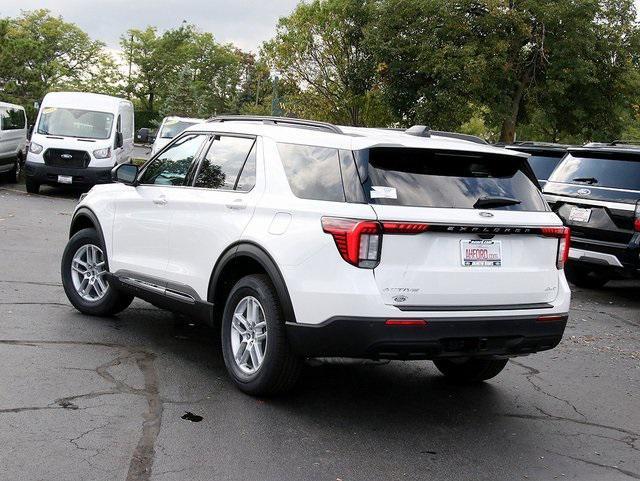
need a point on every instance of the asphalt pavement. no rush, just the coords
(145, 396)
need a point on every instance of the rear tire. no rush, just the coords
(32, 186)
(274, 368)
(107, 301)
(470, 370)
(589, 278)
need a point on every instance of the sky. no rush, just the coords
(246, 23)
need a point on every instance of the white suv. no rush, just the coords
(304, 239)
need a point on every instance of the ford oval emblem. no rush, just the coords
(66, 156)
(584, 191)
(399, 298)
(486, 214)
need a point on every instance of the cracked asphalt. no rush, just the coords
(85, 398)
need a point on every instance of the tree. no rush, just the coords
(40, 53)
(321, 48)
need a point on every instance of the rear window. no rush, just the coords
(601, 169)
(543, 165)
(429, 178)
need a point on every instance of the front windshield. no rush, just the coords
(173, 127)
(75, 123)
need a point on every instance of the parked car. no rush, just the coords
(78, 138)
(544, 157)
(170, 128)
(13, 140)
(596, 191)
(305, 239)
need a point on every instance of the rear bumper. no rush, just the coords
(46, 174)
(608, 255)
(438, 338)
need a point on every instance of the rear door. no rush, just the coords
(482, 244)
(212, 213)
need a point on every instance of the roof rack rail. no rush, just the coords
(456, 135)
(284, 121)
(625, 142)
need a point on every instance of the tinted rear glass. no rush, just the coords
(427, 178)
(312, 172)
(620, 171)
(543, 165)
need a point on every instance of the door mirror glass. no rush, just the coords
(119, 140)
(125, 174)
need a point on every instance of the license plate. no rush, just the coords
(481, 253)
(579, 214)
(65, 179)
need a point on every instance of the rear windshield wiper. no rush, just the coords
(586, 180)
(495, 202)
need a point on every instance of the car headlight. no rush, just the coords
(35, 148)
(102, 153)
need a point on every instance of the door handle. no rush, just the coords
(237, 204)
(160, 200)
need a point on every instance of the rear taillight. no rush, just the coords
(636, 218)
(563, 234)
(360, 241)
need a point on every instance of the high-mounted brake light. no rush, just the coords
(360, 241)
(563, 234)
(636, 219)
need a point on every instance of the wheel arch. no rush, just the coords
(241, 259)
(85, 218)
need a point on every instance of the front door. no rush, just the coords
(143, 213)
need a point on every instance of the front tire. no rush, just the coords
(84, 265)
(32, 186)
(254, 345)
(470, 370)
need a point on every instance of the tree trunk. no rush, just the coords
(151, 97)
(508, 133)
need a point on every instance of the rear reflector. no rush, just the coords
(406, 322)
(636, 220)
(564, 243)
(552, 318)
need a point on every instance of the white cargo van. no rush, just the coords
(170, 128)
(13, 140)
(78, 138)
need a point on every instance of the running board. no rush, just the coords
(162, 293)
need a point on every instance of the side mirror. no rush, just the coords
(119, 140)
(30, 132)
(125, 174)
(142, 136)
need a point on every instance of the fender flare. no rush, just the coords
(87, 213)
(262, 257)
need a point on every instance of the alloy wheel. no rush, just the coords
(87, 273)
(248, 335)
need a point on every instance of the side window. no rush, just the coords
(312, 172)
(171, 167)
(223, 162)
(247, 179)
(127, 124)
(13, 119)
(4, 119)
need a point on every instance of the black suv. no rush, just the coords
(596, 191)
(544, 157)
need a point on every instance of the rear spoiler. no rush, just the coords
(620, 153)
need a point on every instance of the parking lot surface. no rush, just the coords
(144, 395)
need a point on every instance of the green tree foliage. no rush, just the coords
(321, 48)
(40, 52)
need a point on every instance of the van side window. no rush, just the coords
(12, 119)
(223, 162)
(127, 125)
(172, 165)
